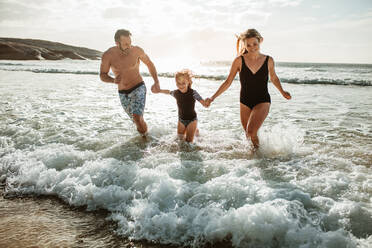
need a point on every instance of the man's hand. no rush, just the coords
(155, 88)
(117, 79)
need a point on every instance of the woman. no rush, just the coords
(254, 70)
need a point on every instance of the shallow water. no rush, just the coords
(310, 184)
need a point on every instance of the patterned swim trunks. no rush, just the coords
(134, 99)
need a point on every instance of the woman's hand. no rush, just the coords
(286, 95)
(204, 103)
(208, 102)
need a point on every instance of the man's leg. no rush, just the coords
(140, 123)
(134, 105)
(138, 100)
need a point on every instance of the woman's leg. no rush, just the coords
(190, 131)
(245, 112)
(257, 117)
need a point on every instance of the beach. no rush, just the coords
(68, 147)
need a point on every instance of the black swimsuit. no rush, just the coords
(254, 86)
(186, 105)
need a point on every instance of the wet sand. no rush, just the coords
(46, 221)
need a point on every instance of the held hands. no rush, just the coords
(204, 103)
(208, 102)
(155, 88)
(286, 95)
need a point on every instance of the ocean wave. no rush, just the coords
(294, 80)
(328, 81)
(16, 64)
(52, 70)
(315, 70)
(171, 75)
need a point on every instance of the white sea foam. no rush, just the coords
(309, 185)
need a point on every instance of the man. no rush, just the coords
(124, 60)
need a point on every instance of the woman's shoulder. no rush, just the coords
(269, 59)
(267, 56)
(238, 60)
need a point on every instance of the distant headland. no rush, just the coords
(30, 49)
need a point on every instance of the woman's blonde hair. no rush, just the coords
(250, 33)
(186, 73)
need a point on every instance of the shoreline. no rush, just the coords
(47, 221)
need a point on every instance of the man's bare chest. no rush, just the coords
(124, 63)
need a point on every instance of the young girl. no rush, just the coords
(185, 96)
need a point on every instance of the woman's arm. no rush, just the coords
(275, 80)
(235, 67)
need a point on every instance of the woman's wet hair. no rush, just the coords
(249, 33)
(121, 32)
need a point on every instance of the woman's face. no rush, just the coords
(252, 45)
(182, 84)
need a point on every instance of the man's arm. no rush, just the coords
(146, 60)
(105, 68)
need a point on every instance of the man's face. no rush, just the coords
(125, 42)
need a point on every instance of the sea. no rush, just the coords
(64, 135)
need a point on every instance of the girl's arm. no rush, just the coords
(165, 92)
(235, 67)
(204, 103)
(200, 99)
(275, 80)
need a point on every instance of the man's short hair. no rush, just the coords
(121, 32)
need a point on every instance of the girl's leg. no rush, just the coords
(257, 117)
(190, 131)
(245, 113)
(181, 130)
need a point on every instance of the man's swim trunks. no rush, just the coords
(134, 99)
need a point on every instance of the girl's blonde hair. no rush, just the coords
(186, 73)
(250, 33)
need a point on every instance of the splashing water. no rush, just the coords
(308, 186)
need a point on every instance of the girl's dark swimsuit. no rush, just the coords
(186, 105)
(254, 86)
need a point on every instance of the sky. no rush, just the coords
(326, 31)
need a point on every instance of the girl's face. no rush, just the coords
(182, 84)
(252, 45)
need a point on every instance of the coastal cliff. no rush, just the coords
(30, 49)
